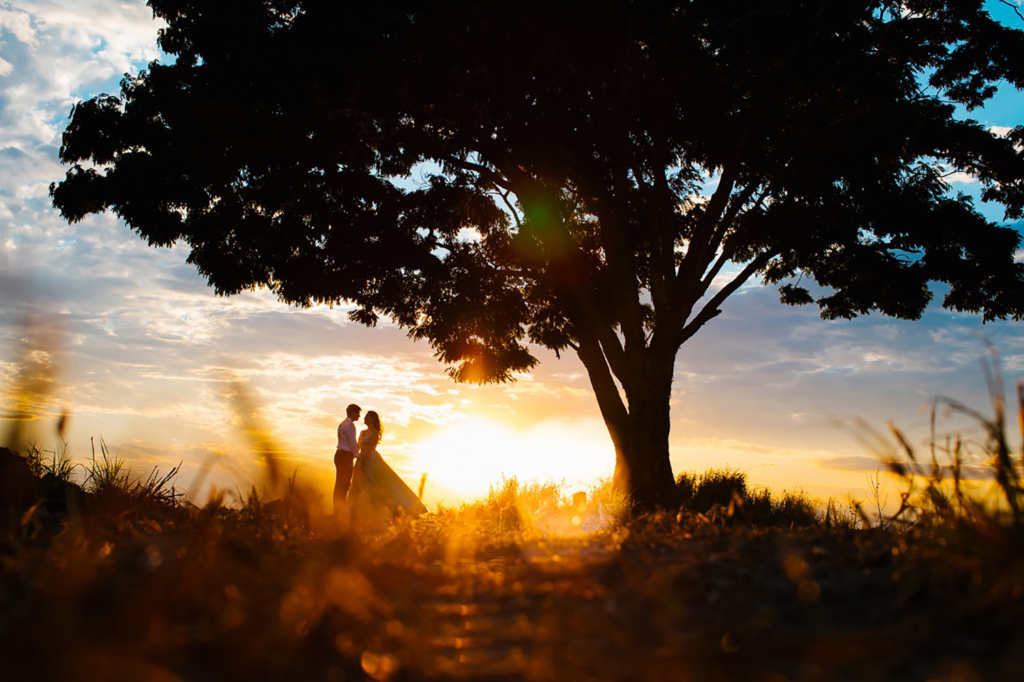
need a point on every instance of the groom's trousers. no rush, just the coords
(344, 464)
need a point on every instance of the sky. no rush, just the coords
(140, 353)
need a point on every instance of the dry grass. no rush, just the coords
(122, 579)
(722, 495)
(522, 584)
(967, 484)
(111, 486)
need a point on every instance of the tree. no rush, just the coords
(604, 175)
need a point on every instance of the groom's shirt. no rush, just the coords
(347, 437)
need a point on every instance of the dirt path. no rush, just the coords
(771, 606)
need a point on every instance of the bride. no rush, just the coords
(377, 491)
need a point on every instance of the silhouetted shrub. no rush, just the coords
(701, 492)
(791, 510)
(724, 495)
(112, 489)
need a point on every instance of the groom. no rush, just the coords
(345, 455)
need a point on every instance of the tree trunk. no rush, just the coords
(642, 467)
(640, 432)
(643, 471)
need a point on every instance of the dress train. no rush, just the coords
(378, 493)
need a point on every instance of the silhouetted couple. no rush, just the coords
(366, 489)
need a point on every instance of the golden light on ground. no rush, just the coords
(470, 455)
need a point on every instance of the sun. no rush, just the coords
(469, 456)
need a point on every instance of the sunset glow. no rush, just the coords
(473, 454)
(143, 348)
(413, 341)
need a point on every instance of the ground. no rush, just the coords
(214, 594)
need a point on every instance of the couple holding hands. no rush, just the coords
(366, 487)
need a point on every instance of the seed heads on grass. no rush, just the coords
(944, 497)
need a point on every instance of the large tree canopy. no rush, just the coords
(602, 174)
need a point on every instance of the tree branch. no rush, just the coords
(720, 233)
(591, 316)
(711, 310)
(1014, 7)
(730, 214)
(486, 174)
(607, 392)
(715, 269)
(699, 254)
(613, 213)
(663, 263)
(613, 350)
(511, 209)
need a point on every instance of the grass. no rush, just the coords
(941, 492)
(55, 463)
(111, 485)
(724, 496)
(525, 583)
(129, 580)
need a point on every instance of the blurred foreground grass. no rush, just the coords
(109, 576)
(121, 579)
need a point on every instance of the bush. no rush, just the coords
(724, 494)
(700, 493)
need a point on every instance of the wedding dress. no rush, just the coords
(378, 493)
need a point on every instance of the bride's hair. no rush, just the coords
(373, 419)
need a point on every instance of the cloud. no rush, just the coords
(852, 463)
(148, 351)
(53, 54)
(971, 472)
(960, 177)
(16, 18)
